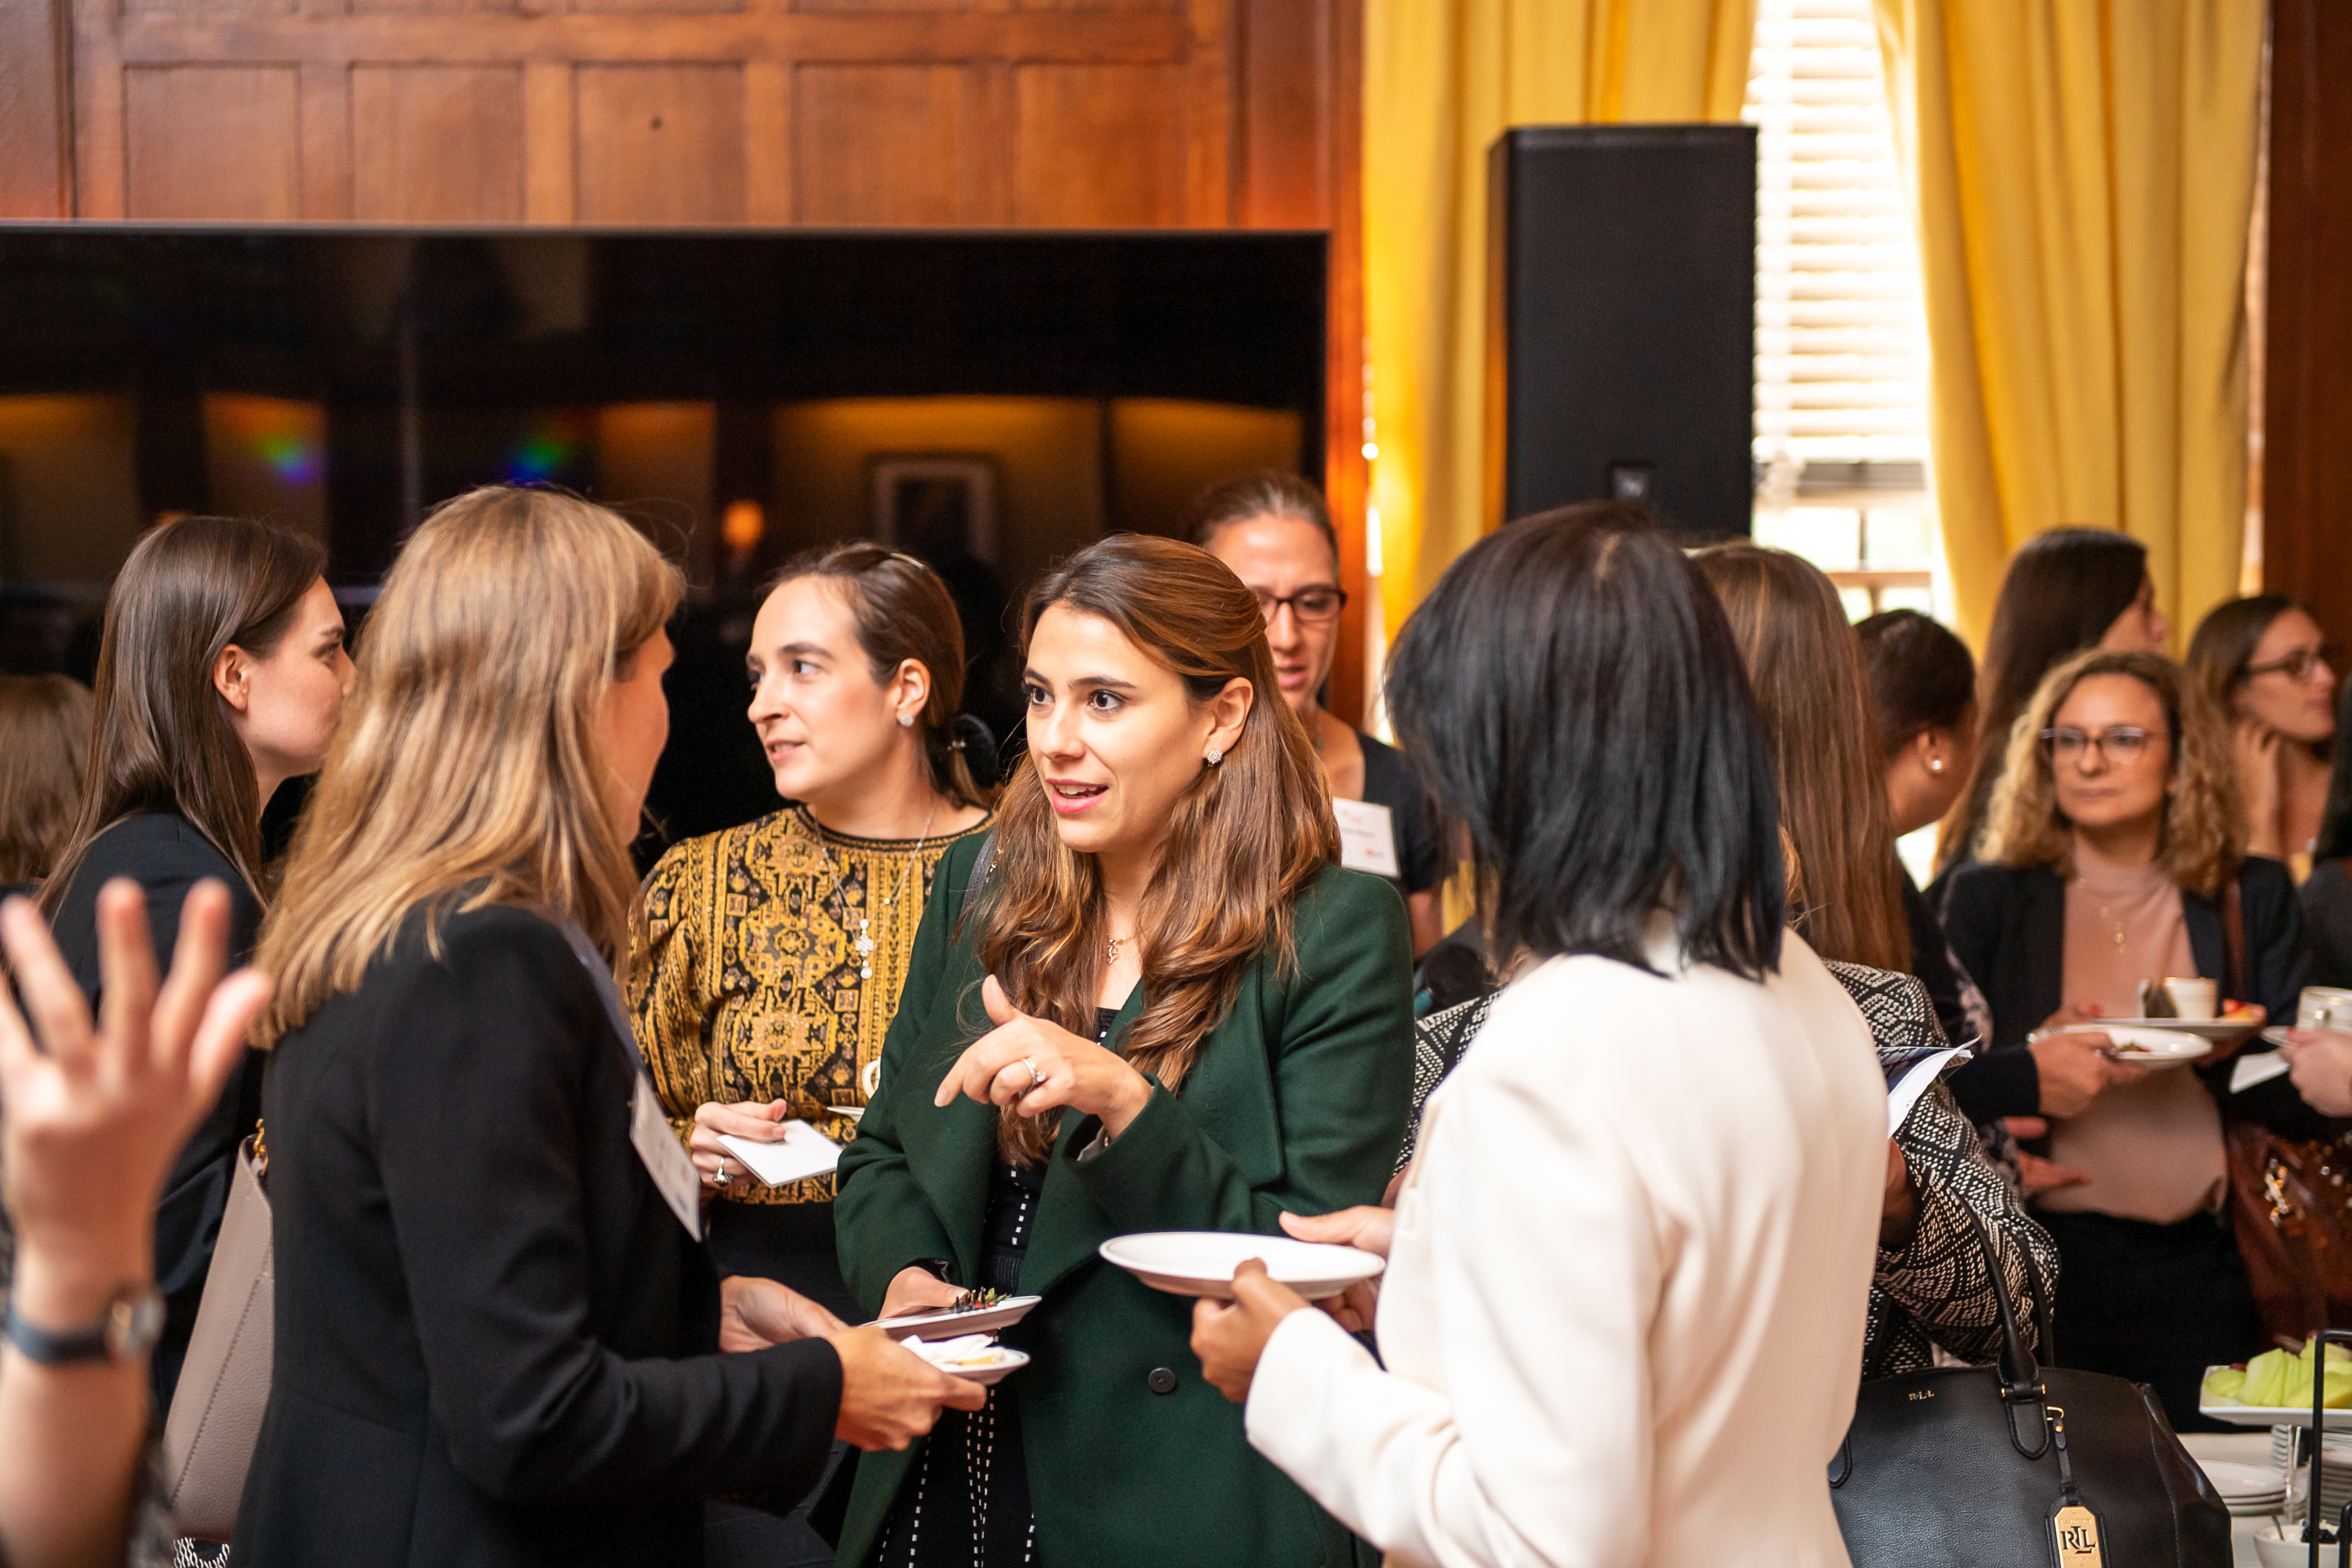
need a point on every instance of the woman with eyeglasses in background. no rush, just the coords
(1274, 530)
(2265, 663)
(2113, 851)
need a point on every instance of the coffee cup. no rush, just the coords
(2193, 999)
(2323, 1007)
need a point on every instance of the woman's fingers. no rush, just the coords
(59, 1015)
(750, 1119)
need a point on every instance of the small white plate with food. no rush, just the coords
(975, 1358)
(980, 1312)
(1201, 1262)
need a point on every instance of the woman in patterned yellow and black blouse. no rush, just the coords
(772, 955)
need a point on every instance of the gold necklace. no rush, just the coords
(2108, 915)
(1111, 947)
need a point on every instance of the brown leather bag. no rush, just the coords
(224, 1387)
(2290, 1208)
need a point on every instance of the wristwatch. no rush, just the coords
(131, 1323)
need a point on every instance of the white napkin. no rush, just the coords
(804, 1152)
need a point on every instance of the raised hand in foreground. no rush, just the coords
(90, 1119)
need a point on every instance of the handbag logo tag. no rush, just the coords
(2074, 1530)
(1921, 1394)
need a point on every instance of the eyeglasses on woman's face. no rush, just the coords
(1312, 605)
(2297, 666)
(2122, 744)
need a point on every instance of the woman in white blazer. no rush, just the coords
(1630, 1266)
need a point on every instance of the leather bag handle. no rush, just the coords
(2020, 1373)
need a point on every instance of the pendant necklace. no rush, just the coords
(2108, 915)
(864, 941)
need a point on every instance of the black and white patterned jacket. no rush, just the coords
(1937, 1291)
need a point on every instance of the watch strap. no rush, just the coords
(129, 1328)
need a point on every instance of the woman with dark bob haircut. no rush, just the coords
(1658, 1175)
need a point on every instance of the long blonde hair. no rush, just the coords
(2204, 833)
(470, 752)
(1244, 838)
(1804, 664)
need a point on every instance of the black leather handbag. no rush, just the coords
(2005, 1466)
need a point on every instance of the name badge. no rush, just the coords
(1367, 838)
(666, 1160)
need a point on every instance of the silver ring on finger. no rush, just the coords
(718, 1174)
(1035, 1078)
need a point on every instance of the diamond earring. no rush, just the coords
(906, 720)
(1215, 757)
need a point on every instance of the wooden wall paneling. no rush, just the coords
(1098, 145)
(96, 113)
(1209, 113)
(550, 142)
(36, 135)
(660, 143)
(438, 143)
(881, 143)
(213, 142)
(1347, 477)
(1282, 140)
(326, 138)
(2308, 394)
(770, 160)
(989, 172)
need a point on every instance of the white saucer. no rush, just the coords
(853, 1111)
(2241, 1483)
(1201, 1262)
(945, 1324)
(1003, 1362)
(2220, 1030)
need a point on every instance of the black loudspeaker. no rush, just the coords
(1620, 309)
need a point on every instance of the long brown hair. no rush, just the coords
(903, 611)
(161, 738)
(470, 754)
(2204, 834)
(2061, 591)
(1805, 668)
(1244, 841)
(44, 757)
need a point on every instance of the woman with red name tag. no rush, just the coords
(497, 1322)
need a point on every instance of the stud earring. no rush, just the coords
(906, 720)
(1215, 756)
(1935, 765)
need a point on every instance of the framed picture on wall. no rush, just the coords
(938, 505)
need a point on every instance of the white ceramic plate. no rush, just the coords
(2145, 1046)
(944, 1325)
(2270, 1414)
(977, 1362)
(2244, 1483)
(2276, 1034)
(852, 1111)
(1201, 1262)
(2216, 1029)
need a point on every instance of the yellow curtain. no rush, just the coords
(2081, 173)
(1441, 79)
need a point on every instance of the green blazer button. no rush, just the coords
(1161, 1379)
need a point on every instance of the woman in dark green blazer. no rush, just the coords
(1198, 1021)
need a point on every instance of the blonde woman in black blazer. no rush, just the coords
(496, 1318)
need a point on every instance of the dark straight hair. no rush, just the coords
(1571, 694)
(1922, 677)
(161, 739)
(2064, 589)
(902, 611)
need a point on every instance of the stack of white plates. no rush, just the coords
(2334, 1475)
(2250, 1491)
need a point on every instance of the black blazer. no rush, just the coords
(166, 854)
(2007, 926)
(493, 1337)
